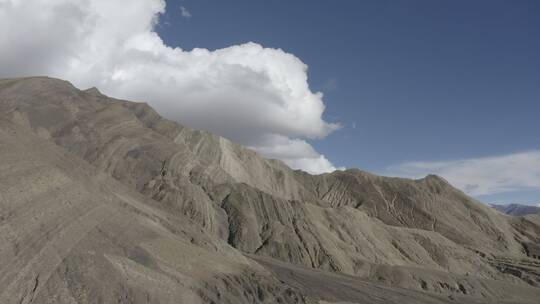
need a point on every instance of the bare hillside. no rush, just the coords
(104, 199)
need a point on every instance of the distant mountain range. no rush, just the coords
(516, 209)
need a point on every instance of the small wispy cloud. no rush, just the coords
(184, 12)
(480, 176)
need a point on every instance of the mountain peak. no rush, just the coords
(93, 91)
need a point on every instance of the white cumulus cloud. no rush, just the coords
(480, 176)
(296, 152)
(256, 96)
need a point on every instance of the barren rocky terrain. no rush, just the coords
(104, 201)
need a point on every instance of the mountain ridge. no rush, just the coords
(420, 235)
(516, 209)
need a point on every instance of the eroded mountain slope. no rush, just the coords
(72, 235)
(417, 234)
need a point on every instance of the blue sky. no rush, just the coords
(409, 80)
(417, 87)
